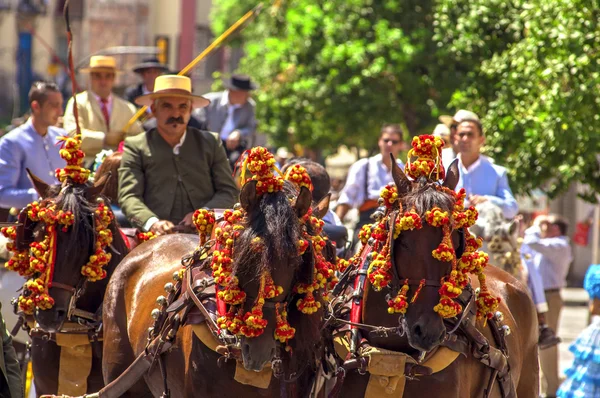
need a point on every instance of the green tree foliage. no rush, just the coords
(537, 84)
(333, 71)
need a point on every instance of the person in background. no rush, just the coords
(551, 255)
(172, 170)
(450, 151)
(482, 179)
(368, 176)
(103, 116)
(282, 156)
(231, 114)
(149, 69)
(442, 131)
(32, 146)
(583, 375)
(11, 385)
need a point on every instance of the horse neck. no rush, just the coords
(93, 295)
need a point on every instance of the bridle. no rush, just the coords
(25, 237)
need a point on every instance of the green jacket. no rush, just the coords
(11, 385)
(150, 171)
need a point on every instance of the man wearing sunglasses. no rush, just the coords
(449, 152)
(368, 176)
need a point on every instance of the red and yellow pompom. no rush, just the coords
(299, 176)
(284, 332)
(399, 304)
(204, 221)
(389, 194)
(427, 149)
(261, 163)
(145, 236)
(70, 151)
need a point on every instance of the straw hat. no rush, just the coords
(460, 116)
(441, 130)
(173, 86)
(100, 63)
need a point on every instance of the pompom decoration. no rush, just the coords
(284, 332)
(70, 151)
(261, 164)
(204, 221)
(428, 163)
(399, 304)
(299, 176)
(145, 236)
(389, 194)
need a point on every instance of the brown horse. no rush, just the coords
(425, 330)
(70, 289)
(191, 367)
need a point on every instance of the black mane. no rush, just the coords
(424, 196)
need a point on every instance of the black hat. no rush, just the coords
(150, 63)
(239, 82)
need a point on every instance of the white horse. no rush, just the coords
(500, 239)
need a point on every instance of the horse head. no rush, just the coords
(267, 249)
(412, 256)
(66, 240)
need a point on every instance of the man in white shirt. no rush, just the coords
(551, 253)
(368, 176)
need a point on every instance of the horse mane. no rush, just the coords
(275, 220)
(81, 242)
(424, 196)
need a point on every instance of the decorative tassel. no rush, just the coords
(399, 304)
(307, 305)
(283, 331)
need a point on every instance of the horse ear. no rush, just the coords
(248, 197)
(40, 186)
(402, 182)
(452, 175)
(93, 192)
(322, 207)
(303, 202)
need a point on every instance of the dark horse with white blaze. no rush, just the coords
(76, 300)
(191, 367)
(424, 330)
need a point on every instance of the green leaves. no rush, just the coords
(332, 72)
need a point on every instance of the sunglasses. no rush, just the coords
(394, 142)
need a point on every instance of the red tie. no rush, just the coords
(104, 107)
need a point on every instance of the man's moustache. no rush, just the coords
(175, 120)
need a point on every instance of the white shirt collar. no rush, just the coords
(225, 101)
(225, 98)
(109, 103)
(178, 146)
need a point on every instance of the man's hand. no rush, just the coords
(187, 220)
(474, 200)
(162, 227)
(233, 141)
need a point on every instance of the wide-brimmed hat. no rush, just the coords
(150, 63)
(99, 63)
(460, 116)
(239, 82)
(172, 86)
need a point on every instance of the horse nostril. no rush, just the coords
(417, 330)
(60, 314)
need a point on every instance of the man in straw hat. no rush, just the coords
(102, 115)
(231, 113)
(149, 69)
(173, 169)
